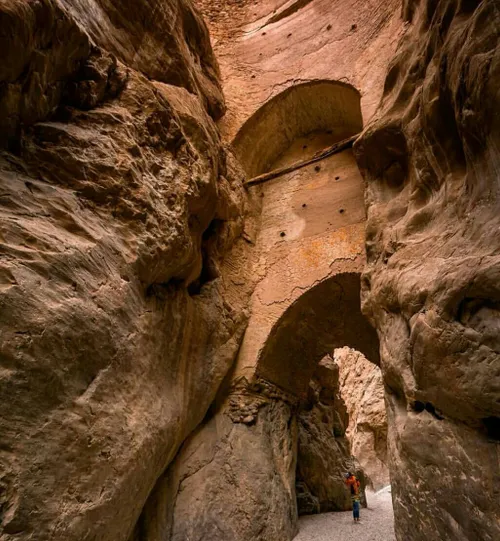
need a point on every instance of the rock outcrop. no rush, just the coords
(324, 453)
(432, 286)
(118, 207)
(233, 479)
(362, 390)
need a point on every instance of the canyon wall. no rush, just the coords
(362, 391)
(120, 308)
(432, 285)
(324, 452)
(130, 250)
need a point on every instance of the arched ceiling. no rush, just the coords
(316, 106)
(325, 317)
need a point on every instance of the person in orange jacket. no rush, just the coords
(355, 487)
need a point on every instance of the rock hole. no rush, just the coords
(289, 35)
(341, 211)
(317, 169)
(394, 176)
(432, 410)
(304, 147)
(209, 269)
(304, 205)
(418, 407)
(492, 425)
(337, 178)
(282, 234)
(354, 26)
(329, 27)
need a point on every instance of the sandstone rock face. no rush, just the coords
(266, 47)
(126, 265)
(362, 390)
(49, 59)
(233, 479)
(430, 160)
(324, 453)
(118, 205)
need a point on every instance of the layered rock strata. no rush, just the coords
(119, 206)
(431, 287)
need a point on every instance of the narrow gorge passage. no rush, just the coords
(186, 355)
(377, 523)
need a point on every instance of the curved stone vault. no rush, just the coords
(311, 226)
(327, 316)
(330, 107)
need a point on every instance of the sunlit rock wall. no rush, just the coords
(362, 390)
(324, 452)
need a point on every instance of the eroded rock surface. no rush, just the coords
(433, 279)
(362, 391)
(324, 453)
(124, 266)
(118, 205)
(233, 479)
(268, 46)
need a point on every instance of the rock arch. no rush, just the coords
(309, 247)
(312, 220)
(313, 106)
(325, 317)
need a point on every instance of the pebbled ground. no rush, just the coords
(377, 523)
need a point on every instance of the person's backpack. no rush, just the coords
(355, 487)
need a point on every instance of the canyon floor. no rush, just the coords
(377, 523)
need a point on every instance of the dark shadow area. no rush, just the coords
(325, 317)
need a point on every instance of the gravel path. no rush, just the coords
(377, 523)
